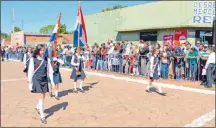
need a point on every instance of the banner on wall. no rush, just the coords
(180, 37)
(168, 38)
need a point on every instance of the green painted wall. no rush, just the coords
(156, 15)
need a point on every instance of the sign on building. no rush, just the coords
(168, 39)
(203, 12)
(180, 37)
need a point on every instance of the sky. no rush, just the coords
(33, 15)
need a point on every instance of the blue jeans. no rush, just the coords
(209, 74)
(120, 65)
(164, 70)
(105, 67)
(178, 71)
(94, 63)
(193, 71)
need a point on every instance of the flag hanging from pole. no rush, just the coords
(81, 33)
(50, 46)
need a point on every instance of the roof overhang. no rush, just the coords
(164, 27)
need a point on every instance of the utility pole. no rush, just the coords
(13, 20)
(12, 41)
(22, 25)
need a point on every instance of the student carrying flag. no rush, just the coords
(77, 61)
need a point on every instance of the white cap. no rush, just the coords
(205, 45)
(55, 59)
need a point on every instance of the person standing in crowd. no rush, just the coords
(103, 57)
(178, 62)
(187, 61)
(165, 56)
(155, 71)
(64, 53)
(143, 51)
(197, 46)
(26, 60)
(39, 68)
(115, 60)
(6, 53)
(78, 73)
(209, 67)
(204, 54)
(193, 55)
(2, 53)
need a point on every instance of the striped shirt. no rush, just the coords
(204, 53)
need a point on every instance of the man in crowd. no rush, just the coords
(144, 60)
(204, 54)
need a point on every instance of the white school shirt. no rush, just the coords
(25, 58)
(31, 69)
(58, 60)
(152, 64)
(211, 59)
(78, 57)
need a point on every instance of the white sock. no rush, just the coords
(158, 88)
(56, 93)
(37, 107)
(81, 84)
(149, 85)
(41, 108)
(75, 86)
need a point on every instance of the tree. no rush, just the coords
(4, 36)
(113, 8)
(49, 29)
(17, 29)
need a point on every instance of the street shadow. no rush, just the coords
(65, 92)
(55, 108)
(153, 89)
(86, 87)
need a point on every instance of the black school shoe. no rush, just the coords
(51, 95)
(148, 91)
(43, 120)
(162, 94)
(57, 98)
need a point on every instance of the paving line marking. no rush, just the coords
(9, 80)
(200, 121)
(171, 86)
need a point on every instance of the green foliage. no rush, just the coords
(49, 29)
(5, 36)
(17, 29)
(113, 8)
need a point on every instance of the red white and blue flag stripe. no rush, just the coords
(80, 24)
(50, 46)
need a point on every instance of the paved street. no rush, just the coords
(106, 102)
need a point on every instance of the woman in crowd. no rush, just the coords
(26, 58)
(192, 56)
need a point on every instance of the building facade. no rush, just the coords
(22, 39)
(173, 21)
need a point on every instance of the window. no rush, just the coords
(149, 36)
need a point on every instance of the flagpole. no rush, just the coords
(78, 25)
(56, 39)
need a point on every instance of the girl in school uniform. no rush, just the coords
(154, 71)
(56, 75)
(78, 73)
(26, 59)
(39, 69)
